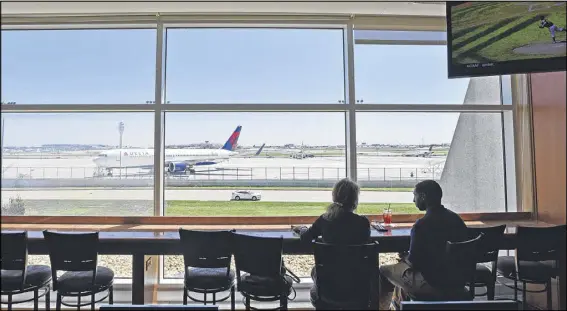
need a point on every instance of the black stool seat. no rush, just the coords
(36, 276)
(456, 294)
(81, 281)
(531, 270)
(552, 264)
(209, 278)
(265, 286)
(328, 303)
(483, 274)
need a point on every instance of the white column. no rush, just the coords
(159, 145)
(350, 98)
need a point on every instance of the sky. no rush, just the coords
(252, 66)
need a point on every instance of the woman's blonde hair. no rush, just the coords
(345, 198)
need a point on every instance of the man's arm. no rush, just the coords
(416, 250)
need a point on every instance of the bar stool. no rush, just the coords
(261, 259)
(16, 276)
(206, 258)
(536, 247)
(77, 255)
(345, 276)
(487, 253)
(461, 265)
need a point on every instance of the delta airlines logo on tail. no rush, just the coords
(232, 141)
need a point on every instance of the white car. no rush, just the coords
(246, 195)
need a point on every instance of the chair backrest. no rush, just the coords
(72, 252)
(539, 244)
(206, 249)
(259, 256)
(14, 250)
(489, 244)
(461, 305)
(461, 260)
(344, 273)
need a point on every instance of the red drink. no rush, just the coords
(387, 217)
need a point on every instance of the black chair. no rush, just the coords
(345, 276)
(536, 248)
(76, 254)
(16, 276)
(461, 305)
(461, 268)
(261, 259)
(487, 253)
(206, 257)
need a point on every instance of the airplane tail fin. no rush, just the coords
(232, 141)
(260, 150)
(430, 147)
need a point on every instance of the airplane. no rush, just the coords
(176, 160)
(301, 154)
(425, 153)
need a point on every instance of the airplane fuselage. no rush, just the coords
(140, 158)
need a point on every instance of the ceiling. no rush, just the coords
(421, 8)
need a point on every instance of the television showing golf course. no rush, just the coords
(494, 36)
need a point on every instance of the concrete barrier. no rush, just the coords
(176, 182)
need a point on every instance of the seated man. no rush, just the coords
(423, 272)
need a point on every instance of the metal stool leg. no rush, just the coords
(232, 299)
(92, 302)
(36, 299)
(524, 296)
(111, 295)
(78, 302)
(515, 289)
(184, 295)
(9, 302)
(58, 304)
(47, 299)
(490, 291)
(205, 299)
(283, 302)
(247, 303)
(214, 298)
(549, 302)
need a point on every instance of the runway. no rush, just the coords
(200, 195)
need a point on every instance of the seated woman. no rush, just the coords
(339, 224)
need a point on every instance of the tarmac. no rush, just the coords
(202, 195)
(325, 168)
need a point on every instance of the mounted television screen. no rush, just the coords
(497, 38)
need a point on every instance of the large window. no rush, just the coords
(404, 74)
(462, 151)
(287, 158)
(78, 66)
(469, 152)
(77, 164)
(250, 120)
(254, 66)
(252, 164)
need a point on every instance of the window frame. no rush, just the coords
(162, 22)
